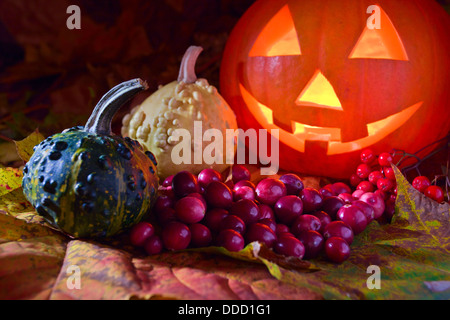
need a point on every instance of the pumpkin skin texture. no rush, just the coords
(177, 105)
(90, 185)
(394, 96)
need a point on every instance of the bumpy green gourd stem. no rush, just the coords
(100, 120)
(187, 68)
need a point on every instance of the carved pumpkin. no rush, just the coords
(333, 85)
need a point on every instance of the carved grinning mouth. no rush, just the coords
(302, 132)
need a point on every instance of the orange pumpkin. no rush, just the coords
(333, 83)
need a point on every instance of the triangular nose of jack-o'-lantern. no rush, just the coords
(278, 38)
(382, 42)
(319, 93)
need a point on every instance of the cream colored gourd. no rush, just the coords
(177, 105)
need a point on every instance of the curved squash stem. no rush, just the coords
(187, 67)
(100, 120)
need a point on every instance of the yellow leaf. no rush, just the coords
(25, 146)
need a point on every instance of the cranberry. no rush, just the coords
(290, 246)
(261, 233)
(246, 209)
(208, 175)
(311, 198)
(305, 223)
(153, 245)
(326, 191)
(281, 228)
(243, 183)
(337, 249)
(213, 218)
(233, 222)
(163, 201)
(288, 208)
(140, 232)
(239, 172)
(230, 240)
(166, 215)
(375, 201)
(269, 190)
(324, 218)
(353, 217)
(358, 193)
(270, 223)
(366, 208)
(313, 243)
(190, 210)
(340, 187)
(200, 235)
(331, 205)
(265, 211)
(218, 195)
(347, 197)
(339, 229)
(168, 181)
(293, 183)
(243, 192)
(176, 236)
(184, 183)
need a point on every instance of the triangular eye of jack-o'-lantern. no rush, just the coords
(333, 84)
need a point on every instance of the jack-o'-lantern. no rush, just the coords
(336, 77)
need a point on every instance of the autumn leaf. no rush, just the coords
(10, 180)
(25, 146)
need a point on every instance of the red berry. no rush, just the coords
(385, 159)
(218, 195)
(243, 192)
(247, 210)
(374, 176)
(313, 243)
(389, 173)
(289, 246)
(140, 233)
(304, 223)
(230, 240)
(353, 216)
(208, 175)
(288, 208)
(200, 235)
(363, 170)
(421, 183)
(153, 245)
(339, 229)
(239, 172)
(367, 156)
(355, 180)
(385, 184)
(337, 249)
(176, 236)
(233, 222)
(293, 183)
(269, 190)
(365, 186)
(184, 183)
(312, 199)
(435, 192)
(190, 210)
(262, 233)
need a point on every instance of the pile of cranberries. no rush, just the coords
(291, 219)
(287, 217)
